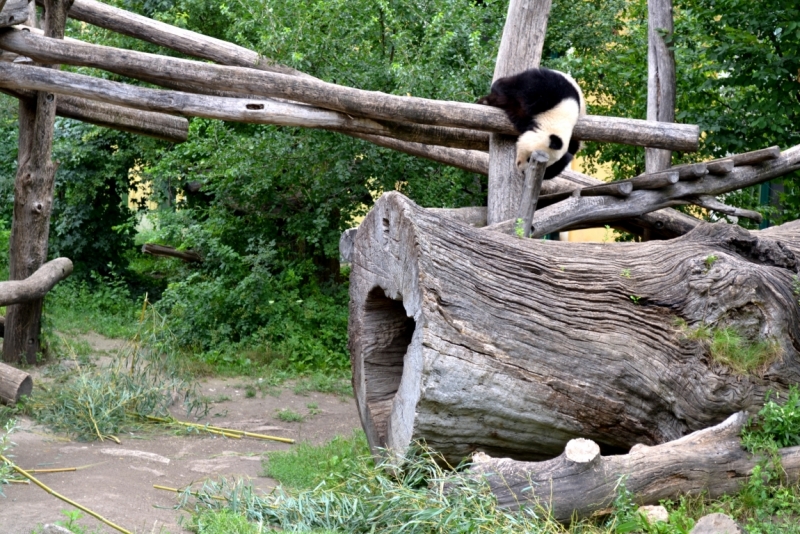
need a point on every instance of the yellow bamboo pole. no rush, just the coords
(229, 432)
(54, 470)
(59, 496)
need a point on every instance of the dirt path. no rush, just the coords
(118, 482)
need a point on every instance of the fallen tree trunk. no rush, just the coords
(580, 481)
(477, 341)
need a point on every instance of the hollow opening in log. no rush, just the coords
(390, 331)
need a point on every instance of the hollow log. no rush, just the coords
(14, 384)
(477, 341)
(581, 481)
(356, 102)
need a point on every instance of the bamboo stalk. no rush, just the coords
(59, 496)
(195, 494)
(54, 470)
(229, 432)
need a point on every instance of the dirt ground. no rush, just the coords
(117, 481)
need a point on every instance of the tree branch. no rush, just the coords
(36, 285)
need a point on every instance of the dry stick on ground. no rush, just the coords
(59, 496)
(582, 210)
(580, 481)
(473, 340)
(33, 201)
(158, 125)
(520, 49)
(356, 102)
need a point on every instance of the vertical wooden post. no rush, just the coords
(660, 77)
(534, 175)
(33, 200)
(520, 49)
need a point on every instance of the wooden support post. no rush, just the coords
(520, 49)
(33, 200)
(534, 175)
(660, 77)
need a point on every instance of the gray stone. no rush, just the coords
(654, 514)
(55, 529)
(716, 524)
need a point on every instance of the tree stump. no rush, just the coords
(472, 340)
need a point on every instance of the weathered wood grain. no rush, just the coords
(660, 77)
(13, 12)
(356, 102)
(711, 203)
(154, 249)
(158, 125)
(534, 176)
(520, 49)
(708, 462)
(476, 341)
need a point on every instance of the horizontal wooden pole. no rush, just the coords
(171, 252)
(36, 285)
(158, 125)
(371, 104)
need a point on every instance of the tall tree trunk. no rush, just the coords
(33, 201)
(520, 49)
(660, 77)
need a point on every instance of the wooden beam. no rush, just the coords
(357, 102)
(37, 285)
(188, 256)
(710, 203)
(158, 125)
(520, 49)
(660, 77)
(178, 39)
(534, 175)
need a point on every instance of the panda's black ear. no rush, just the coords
(555, 142)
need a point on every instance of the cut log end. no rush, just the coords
(14, 384)
(582, 451)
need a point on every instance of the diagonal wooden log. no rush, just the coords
(357, 102)
(473, 340)
(709, 462)
(582, 211)
(158, 125)
(181, 40)
(37, 285)
(711, 203)
(189, 256)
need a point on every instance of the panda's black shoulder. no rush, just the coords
(529, 93)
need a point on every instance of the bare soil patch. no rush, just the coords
(116, 481)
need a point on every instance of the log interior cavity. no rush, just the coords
(389, 332)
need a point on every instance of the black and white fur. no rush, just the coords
(544, 106)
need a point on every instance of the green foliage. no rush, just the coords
(777, 424)
(5, 445)
(305, 466)
(710, 261)
(287, 415)
(224, 522)
(728, 347)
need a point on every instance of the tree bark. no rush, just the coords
(158, 125)
(660, 77)
(13, 12)
(352, 101)
(580, 481)
(476, 341)
(33, 200)
(14, 384)
(520, 49)
(170, 252)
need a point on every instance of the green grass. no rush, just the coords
(305, 466)
(728, 347)
(288, 415)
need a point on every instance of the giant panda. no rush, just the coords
(543, 105)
